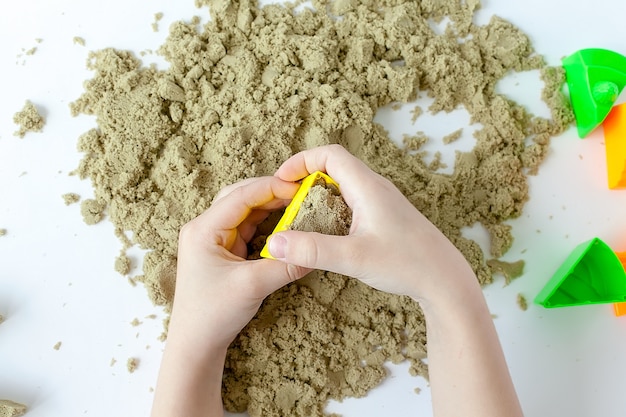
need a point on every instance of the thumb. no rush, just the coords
(269, 275)
(316, 251)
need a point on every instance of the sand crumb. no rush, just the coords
(136, 322)
(122, 264)
(70, 198)
(510, 270)
(132, 364)
(92, 211)
(521, 302)
(157, 18)
(3, 232)
(413, 143)
(11, 409)
(168, 140)
(57, 345)
(28, 119)
(113, 362)
(415, 113)
(453, 137)
(78, 41)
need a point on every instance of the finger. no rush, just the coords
(239, 248)
(232, 209)
(229, 188)
(248, 227)
(306, 162)
(350, 173)
(264, 276)
(338, 254)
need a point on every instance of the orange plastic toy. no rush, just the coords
(620, 309)
(615, 141)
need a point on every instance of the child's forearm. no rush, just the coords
(467, 369)
(190, 383)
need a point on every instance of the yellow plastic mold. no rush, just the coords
(292, 209)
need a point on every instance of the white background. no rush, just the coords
(57, 281)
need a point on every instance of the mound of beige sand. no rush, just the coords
(255, 85)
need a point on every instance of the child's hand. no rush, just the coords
(391, 245)
(394, 248)
(218, 291)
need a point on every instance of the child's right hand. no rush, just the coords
(391, 245)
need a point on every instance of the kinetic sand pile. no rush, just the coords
(254, 86)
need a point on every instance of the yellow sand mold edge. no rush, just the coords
(292, 209)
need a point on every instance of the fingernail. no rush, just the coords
(277, 246)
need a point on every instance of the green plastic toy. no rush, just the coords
(595, 78)
(591, 274)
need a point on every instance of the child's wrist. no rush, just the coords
(450, 297)
(194, 354)
(454, 286)
(187, 341)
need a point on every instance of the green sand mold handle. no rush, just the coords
(595, 78)
(591, 274)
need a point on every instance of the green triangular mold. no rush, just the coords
(595, 78)
(591, 274)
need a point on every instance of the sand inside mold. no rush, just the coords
(255, 85)
(323, 211)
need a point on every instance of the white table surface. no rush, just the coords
(57, 281)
